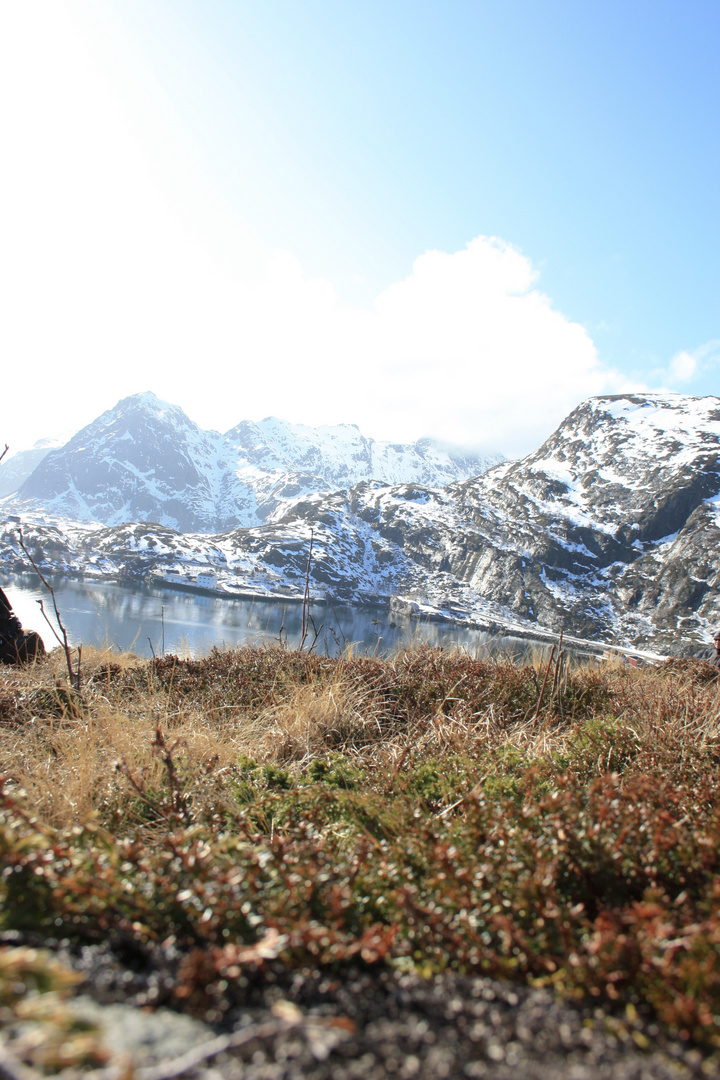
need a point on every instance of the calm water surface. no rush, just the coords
(132, 617)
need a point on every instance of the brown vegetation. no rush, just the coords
(263, 808)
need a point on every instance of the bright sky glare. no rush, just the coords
(452, 219)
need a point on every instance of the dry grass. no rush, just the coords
(428, 810)
(314, 719)
(77, 757)
(73, 757)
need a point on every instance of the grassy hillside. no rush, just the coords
(261, 811)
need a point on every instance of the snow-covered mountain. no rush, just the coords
(342, 457)
(611, 529)
(565, 530)
(17, 465)
(145, 460)
(142, 460)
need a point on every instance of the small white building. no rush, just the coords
(206, 579)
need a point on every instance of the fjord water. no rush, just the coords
(131, 618)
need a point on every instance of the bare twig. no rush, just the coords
(74, 676)
(557, 666)
(316, 632)
(47, 620)
(122, 767)
(4, 451)
(224, 1043)
(469, 795)
(557, 681)
(160, 746)
(336, 639)
(547, 672)
(306, 595)
(337, 621)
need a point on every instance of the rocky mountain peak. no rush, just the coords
(145, 460)
(142, 460)
(610, 530)
(634, 465)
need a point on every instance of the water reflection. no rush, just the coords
(146, 619)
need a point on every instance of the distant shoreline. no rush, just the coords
(226, 594)
(542, 636)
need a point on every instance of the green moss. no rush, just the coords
(336, 771)
(599, 746)
(277, 779)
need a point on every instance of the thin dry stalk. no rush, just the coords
(542, 691)
(306, 597)
(73, 675)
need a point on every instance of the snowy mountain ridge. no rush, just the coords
(146, 460)
(19, 463)
(610, 530)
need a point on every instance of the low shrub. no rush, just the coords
(456, 822)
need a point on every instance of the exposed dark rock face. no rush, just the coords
(608, 490)
(677, 586)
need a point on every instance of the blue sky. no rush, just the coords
(361, 134)
(356, 137)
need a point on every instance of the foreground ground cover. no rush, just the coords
(260, 813)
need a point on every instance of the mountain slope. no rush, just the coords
(618, 476)
(341, 456)
(610, 530)
(145, 460)
(16, 467)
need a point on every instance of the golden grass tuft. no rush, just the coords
(74, 756)
(313, 720)
(79, 758)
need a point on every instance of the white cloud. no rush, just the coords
(683, 366)
(692, 365)
(491, 360)
(120, 271)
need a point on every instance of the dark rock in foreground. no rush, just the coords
(372, 1024)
